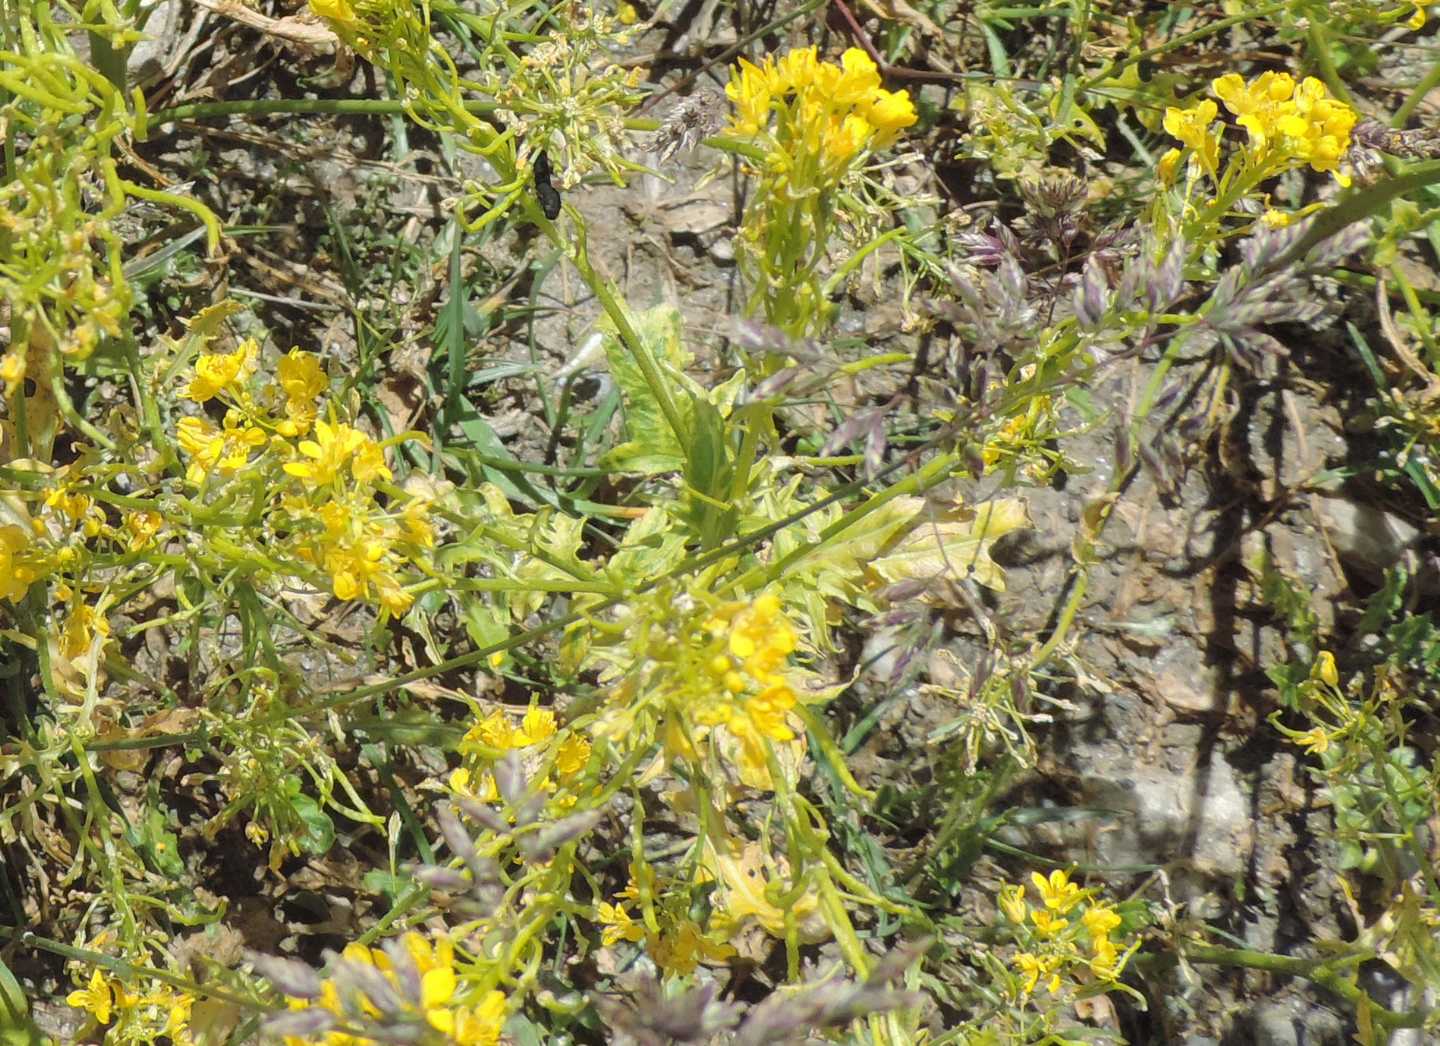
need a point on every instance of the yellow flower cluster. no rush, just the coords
(747, 691)
(1335, 718)
(1192, 126)
(1018, 437)
(1300, 121)
(1286, 124)
(497, 734)
(19, 567)
(1052, 942)
(440, 1002)
(142, 1017)
(334, 521)
(678, 945)
(223, 450)
(712, 682)
(820, 109)
(227, 449)
(216, 371)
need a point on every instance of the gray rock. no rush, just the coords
(1275, 1024)
(1199, 815)
(1368, 539)
(1293, 1021)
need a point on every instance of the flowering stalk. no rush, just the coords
(816, 124)
(1287, 124)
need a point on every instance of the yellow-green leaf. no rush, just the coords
(955, 543)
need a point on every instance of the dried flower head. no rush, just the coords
(690, 121)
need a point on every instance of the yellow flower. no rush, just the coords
(226, 451)
(96, 999)
(1324, 669)
(178, 1025)
(618, 923)
(368, 463)
(301, 376)
(1036, 966)
(1286, 120)
(12, 371)
(336, 10)
(889, 112)
(836, 111)
(143, 526)
(1315, 740)
(1058, 892)
(351, 571)
(538, 724)
(494, 731)
(485, 791)
(762, 638)
(437, 987)
(215, 372)
(1099, 920)
(844, 138)
(769, 711)
(1319, 132)
(418, 529)
(82, 625)
(77, 509)
(427, 957)
(1012, 902)
(742, 687)
(302, 379)
(332, 447)
(391, 595)
(1048, 924)
(480, 1025)
(856, 79)
(1416, 20)
(355, 552)
(16, 576)
(1192, 127)
(573, 755)
(750, 92)
(798, 69)
(200, 439)
(681, 948)
(1168, 165)
(1259, 105)
(1105, 962)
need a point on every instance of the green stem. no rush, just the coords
(852, 263)
(129, 970)
(1327, 973)
(1428, 83)
(1178, 43)
(644, 359)
(386, 107)
(184, 203)
(70, 414)
(1067, 612)
(275, 106)
(1356, 206)
(1319, 41)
